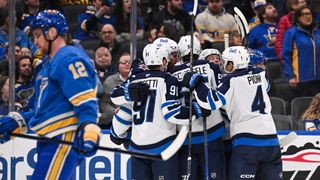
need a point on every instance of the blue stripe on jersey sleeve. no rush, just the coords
(255, 142)
(211, 101)
(168, 103)
(171, 113)
(122, 121)
(126, 110)
(222, 99)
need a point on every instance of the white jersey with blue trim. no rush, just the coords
(212, 75)
(153, 123)
(244, 94)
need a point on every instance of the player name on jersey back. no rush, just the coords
(254, 79)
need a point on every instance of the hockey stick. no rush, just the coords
(226, 41)
(165, 155)
(194, 11)
(244, 24)
(288, 139)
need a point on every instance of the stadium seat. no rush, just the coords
(298, 107)
(278, 106)
(72, 12)
(283, 90)
(282, 122)
(273, 72)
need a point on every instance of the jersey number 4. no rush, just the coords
(144, 110)
(258, 103)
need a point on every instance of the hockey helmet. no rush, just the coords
(153, 55)
(184, 45)
(256, 56)
(169, 43)
(207, 52)
(238, 55)
(50, 18)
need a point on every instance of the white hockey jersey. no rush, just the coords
(153, 122)
(244, 96)
(211, 73)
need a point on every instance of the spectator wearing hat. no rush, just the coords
(258, 8)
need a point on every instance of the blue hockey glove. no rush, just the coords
(198, 111)
(136, 91)
(191, 80)
(88, 137)
(13, 122)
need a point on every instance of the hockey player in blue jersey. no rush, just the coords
(243, 93)
(215, 124)
(65, 105)
(153, 121)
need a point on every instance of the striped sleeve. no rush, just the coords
(122, 121)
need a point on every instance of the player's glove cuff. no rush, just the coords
(88, 137)
(22, 126)
(191, 80)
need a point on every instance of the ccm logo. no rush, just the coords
(247, 176)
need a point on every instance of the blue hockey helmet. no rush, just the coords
(50, 18)
(256, 56)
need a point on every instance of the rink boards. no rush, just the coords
(301, 160)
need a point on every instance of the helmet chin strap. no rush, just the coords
(50, 42)
(165, 65)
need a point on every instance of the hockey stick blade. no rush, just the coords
(176, 144)
(288, 139)
(116, 150)
(243, 19)
(240, 25)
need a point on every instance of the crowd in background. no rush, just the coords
(285, 31)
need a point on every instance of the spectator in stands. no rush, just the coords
(3, 3)
(107, 108)
(24, 85)
(174, 15)
(214, 22)
(31, 9)
(262, 37)
(4, 63)
(235, 39)
(311, 116)
(300, 54)
(4, 101)
(103, 63)
(258, 9)
(205, 44)
(20, 39)
(122, 22)
(285, 23)
(93, 19)
(108, 40)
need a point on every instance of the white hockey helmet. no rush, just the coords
(207, 52)
(184, 45)
(153, 55)
(169, 43)
(238, 55)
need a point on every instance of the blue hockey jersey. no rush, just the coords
(65, 94)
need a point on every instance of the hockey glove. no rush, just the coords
(137, 91)
(13, 122)
(191, 80)
(198, 111)
(88, 137)
(118, 141)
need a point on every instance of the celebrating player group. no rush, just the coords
(223, 95)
